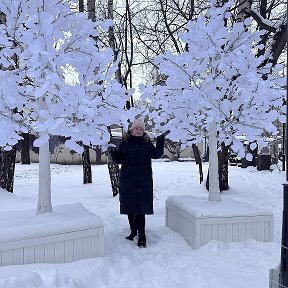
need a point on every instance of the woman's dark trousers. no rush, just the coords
(137, 224)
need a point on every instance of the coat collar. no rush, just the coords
(128, 137)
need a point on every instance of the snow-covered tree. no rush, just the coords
(55, 79)
(218, 85)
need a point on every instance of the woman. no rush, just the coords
(136, 184)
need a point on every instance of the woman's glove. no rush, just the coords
(165, 134)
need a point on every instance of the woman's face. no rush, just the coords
(137, 131)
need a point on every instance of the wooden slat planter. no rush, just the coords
(198, 229)
(53, 238)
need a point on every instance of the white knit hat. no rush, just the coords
(138, 123)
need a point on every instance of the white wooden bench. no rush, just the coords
(67, 234)
(200, 221)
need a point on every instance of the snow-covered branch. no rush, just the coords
(262, 22)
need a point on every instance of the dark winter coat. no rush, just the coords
(136, 183)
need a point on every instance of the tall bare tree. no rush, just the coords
(7, 158)
(91, 9)
(86, 163)
(25, 148)
(7, 168)
(113, 167)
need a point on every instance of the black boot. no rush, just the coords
(140, 219)
(133, 227)
(141, 241)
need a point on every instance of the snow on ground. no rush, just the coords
(168, 261)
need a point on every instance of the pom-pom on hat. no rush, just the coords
(138, 123)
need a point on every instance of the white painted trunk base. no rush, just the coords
(199, 230)
(214, 191)
(44, 186)
(57, 238)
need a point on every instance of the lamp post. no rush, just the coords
(284, 242)
(283, 147)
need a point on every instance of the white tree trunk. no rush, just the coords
(44, 188)
(214, 191)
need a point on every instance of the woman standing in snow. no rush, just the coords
(136, 184)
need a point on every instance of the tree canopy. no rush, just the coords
(218, 78)
(56, 78)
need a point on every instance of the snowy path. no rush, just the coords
(168, 261)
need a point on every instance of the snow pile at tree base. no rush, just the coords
(22, 224)
(200, 221)
(68, 234)
(227, 207)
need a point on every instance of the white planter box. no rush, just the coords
(186, 215)
(68, 234)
